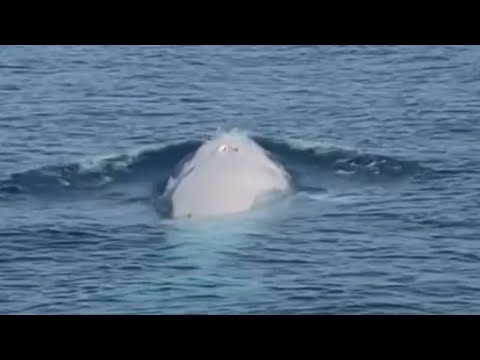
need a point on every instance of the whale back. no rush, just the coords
(226, 175)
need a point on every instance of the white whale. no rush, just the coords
(226, 175)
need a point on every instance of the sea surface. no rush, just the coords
(382, 144)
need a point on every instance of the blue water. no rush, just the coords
(382, 143)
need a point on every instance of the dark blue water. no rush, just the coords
(382, 144)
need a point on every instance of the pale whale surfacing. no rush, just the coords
(226, 175)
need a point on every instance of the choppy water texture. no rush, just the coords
(382, 144)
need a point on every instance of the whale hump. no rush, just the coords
(226, 175)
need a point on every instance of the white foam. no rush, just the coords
(318, 145)
(117, 161)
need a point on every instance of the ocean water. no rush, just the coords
(382, 143)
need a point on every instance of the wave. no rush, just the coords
(323, 167)
(312, 167)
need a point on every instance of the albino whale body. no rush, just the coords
(226, 175)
